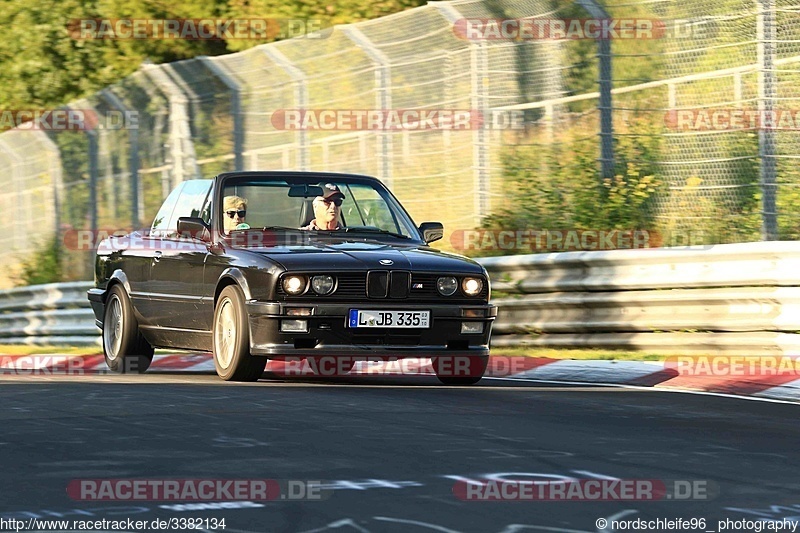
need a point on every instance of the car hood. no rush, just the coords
(367, 256)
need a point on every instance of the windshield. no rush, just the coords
(342, 206)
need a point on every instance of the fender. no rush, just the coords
(120, 277)
(235, 274)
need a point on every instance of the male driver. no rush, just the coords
(327, 209)
(234, 210)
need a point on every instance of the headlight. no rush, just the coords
(294, 285)
(472, 286)
(447, 285)
(322, 284)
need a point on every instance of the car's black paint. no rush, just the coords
(174, 282)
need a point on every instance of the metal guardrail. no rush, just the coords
(53, 314)
(734, 298)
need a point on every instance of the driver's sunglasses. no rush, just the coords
(242, 213)
(337, 202)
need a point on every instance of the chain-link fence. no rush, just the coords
(196, 118)
(706, 105)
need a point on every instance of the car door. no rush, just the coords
(139, 261)
(177, 266)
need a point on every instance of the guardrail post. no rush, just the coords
(220, 71)
(383, 95)
(300, 97)
(184, 160)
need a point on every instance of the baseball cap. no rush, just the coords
(331, 191)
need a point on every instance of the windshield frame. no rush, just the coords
(396, 209)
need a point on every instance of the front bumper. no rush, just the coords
(97, 298)
(329, 334)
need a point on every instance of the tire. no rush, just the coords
(444, 368)
(125, 350)
(231, 339)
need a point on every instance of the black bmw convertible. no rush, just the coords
(247, 266)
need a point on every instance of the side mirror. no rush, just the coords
(431, 231)
(193, 228)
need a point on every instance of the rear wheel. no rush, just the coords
(231, 337)
(460, 369)
(125, 350)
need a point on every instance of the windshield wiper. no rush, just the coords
(373, 229)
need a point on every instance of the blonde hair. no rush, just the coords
(233, 202)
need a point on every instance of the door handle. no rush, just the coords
(157, 257)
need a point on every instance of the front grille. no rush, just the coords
(383, 284)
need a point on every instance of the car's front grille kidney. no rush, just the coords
(377, 284)
(399, 282)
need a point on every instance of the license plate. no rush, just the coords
(389, 319)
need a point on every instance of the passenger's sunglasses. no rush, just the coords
(242, 213)
(337, 202)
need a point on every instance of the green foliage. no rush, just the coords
(44, 266)
(44, 66)
(560, 187)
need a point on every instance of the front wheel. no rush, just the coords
(459, 369)
(125, 350)
(231, 337)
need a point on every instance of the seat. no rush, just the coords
(306, 212)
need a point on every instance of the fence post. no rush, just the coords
(605, 105)
(383, 96)
(19, 231)
(221, 72)
(767, 84)
(479, 66)
(479, 83)
(184, 160)
(137, 201)
(93, 175)
(57, 177)
(300, 97)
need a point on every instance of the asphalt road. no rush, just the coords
(389, 452)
